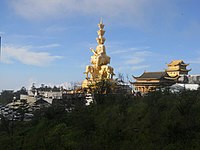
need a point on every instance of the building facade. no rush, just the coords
(177, 68)
(150, 81)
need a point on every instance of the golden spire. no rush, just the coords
(101, 20)
(100, 39)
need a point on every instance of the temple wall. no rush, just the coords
(148, 81)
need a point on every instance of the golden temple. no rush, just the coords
(150, 81)
(176, 68)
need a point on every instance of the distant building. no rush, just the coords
(150, 81)
(46, 93)
(50, 94)
(29, 98)
(177, 68)
(180, 87)
(194, 79)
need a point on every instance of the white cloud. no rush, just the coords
(53, 8)
(120, 50)
(26, 56)
(137, 57)
(137, 11)
(134, 68)
(133, 59)
(117, 52)
(49, 46)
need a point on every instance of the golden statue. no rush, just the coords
(99, 70)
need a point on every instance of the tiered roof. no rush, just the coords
(177, 62)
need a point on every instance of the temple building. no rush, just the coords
(177, 68)
(150, 81)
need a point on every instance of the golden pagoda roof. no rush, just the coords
(177, 62)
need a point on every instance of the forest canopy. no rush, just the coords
(159, 120)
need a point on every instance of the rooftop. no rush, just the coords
(152, 75)
(176, 62)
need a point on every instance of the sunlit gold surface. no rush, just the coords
(99, 69)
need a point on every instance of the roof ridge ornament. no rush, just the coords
(101, 20)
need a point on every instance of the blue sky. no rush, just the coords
(48, 41)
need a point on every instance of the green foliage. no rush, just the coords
(103, 86)
(6, 96)
(160, 120)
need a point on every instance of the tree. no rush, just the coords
(22, 91)
(6, 96)
(104, 86)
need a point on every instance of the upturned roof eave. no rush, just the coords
(150, 78)
(178, 70)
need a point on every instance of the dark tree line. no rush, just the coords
(160, 120)
(7, 96)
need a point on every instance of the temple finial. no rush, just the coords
(100, 39)
(101, 20)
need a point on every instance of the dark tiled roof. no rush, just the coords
(152, 75)
(157, 84)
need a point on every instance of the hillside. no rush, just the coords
(160, 120)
